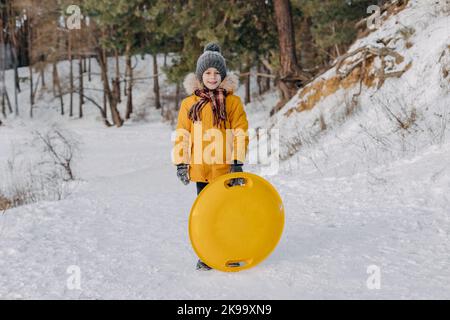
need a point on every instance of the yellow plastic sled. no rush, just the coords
(235, 228)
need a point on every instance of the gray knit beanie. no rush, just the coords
(211, 57)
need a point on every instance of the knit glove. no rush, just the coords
(236, 166)
(183, 173)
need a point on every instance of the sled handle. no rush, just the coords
(237, 264)
(248, 181)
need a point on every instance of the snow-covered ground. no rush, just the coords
(355, 208)
(125, 226)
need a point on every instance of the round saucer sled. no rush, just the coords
(233, 228)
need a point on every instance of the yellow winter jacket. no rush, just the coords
(207, 149)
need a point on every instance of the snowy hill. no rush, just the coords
(378, 118)
(364, 184)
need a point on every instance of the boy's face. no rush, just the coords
(211, 78)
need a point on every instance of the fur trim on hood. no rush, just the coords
(230, 83)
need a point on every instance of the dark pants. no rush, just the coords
(200, 186)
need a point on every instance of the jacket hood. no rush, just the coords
(230, 83)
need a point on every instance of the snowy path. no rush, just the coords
(125, 223)
(125, 227)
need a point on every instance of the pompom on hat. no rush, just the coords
(211, 57)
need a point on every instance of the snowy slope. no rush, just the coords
(125, 227)
(350, 202)
(348, 138)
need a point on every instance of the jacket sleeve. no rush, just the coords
(181, 149)
(239, 126)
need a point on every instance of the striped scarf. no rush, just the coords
(217, 97)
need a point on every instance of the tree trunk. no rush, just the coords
(125, 80)
(11, 39)
(57, 83)
(89, 69)
(117, 81)
(105, 105)
(2, 70)
(2, 103)
(111, 98)
(30, 68)
(70, 74)
(15, 45)
(9, 102)
(156, 82)
(42, 67)
(246, 66)
(247, 88)
(25, 40)
(267, 84)
(286, 37)
(177, 96)
(258, 78)
(16, 80)
(3, 46)
(81, 87)
(55, 94)
(30, 63)
(290, 74)
(129, 76)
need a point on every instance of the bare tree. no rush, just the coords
(61, 149)
(69, 53)
(80, 87)
(4, 45)
(112, 99)
(57, 84)
(3, 92)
